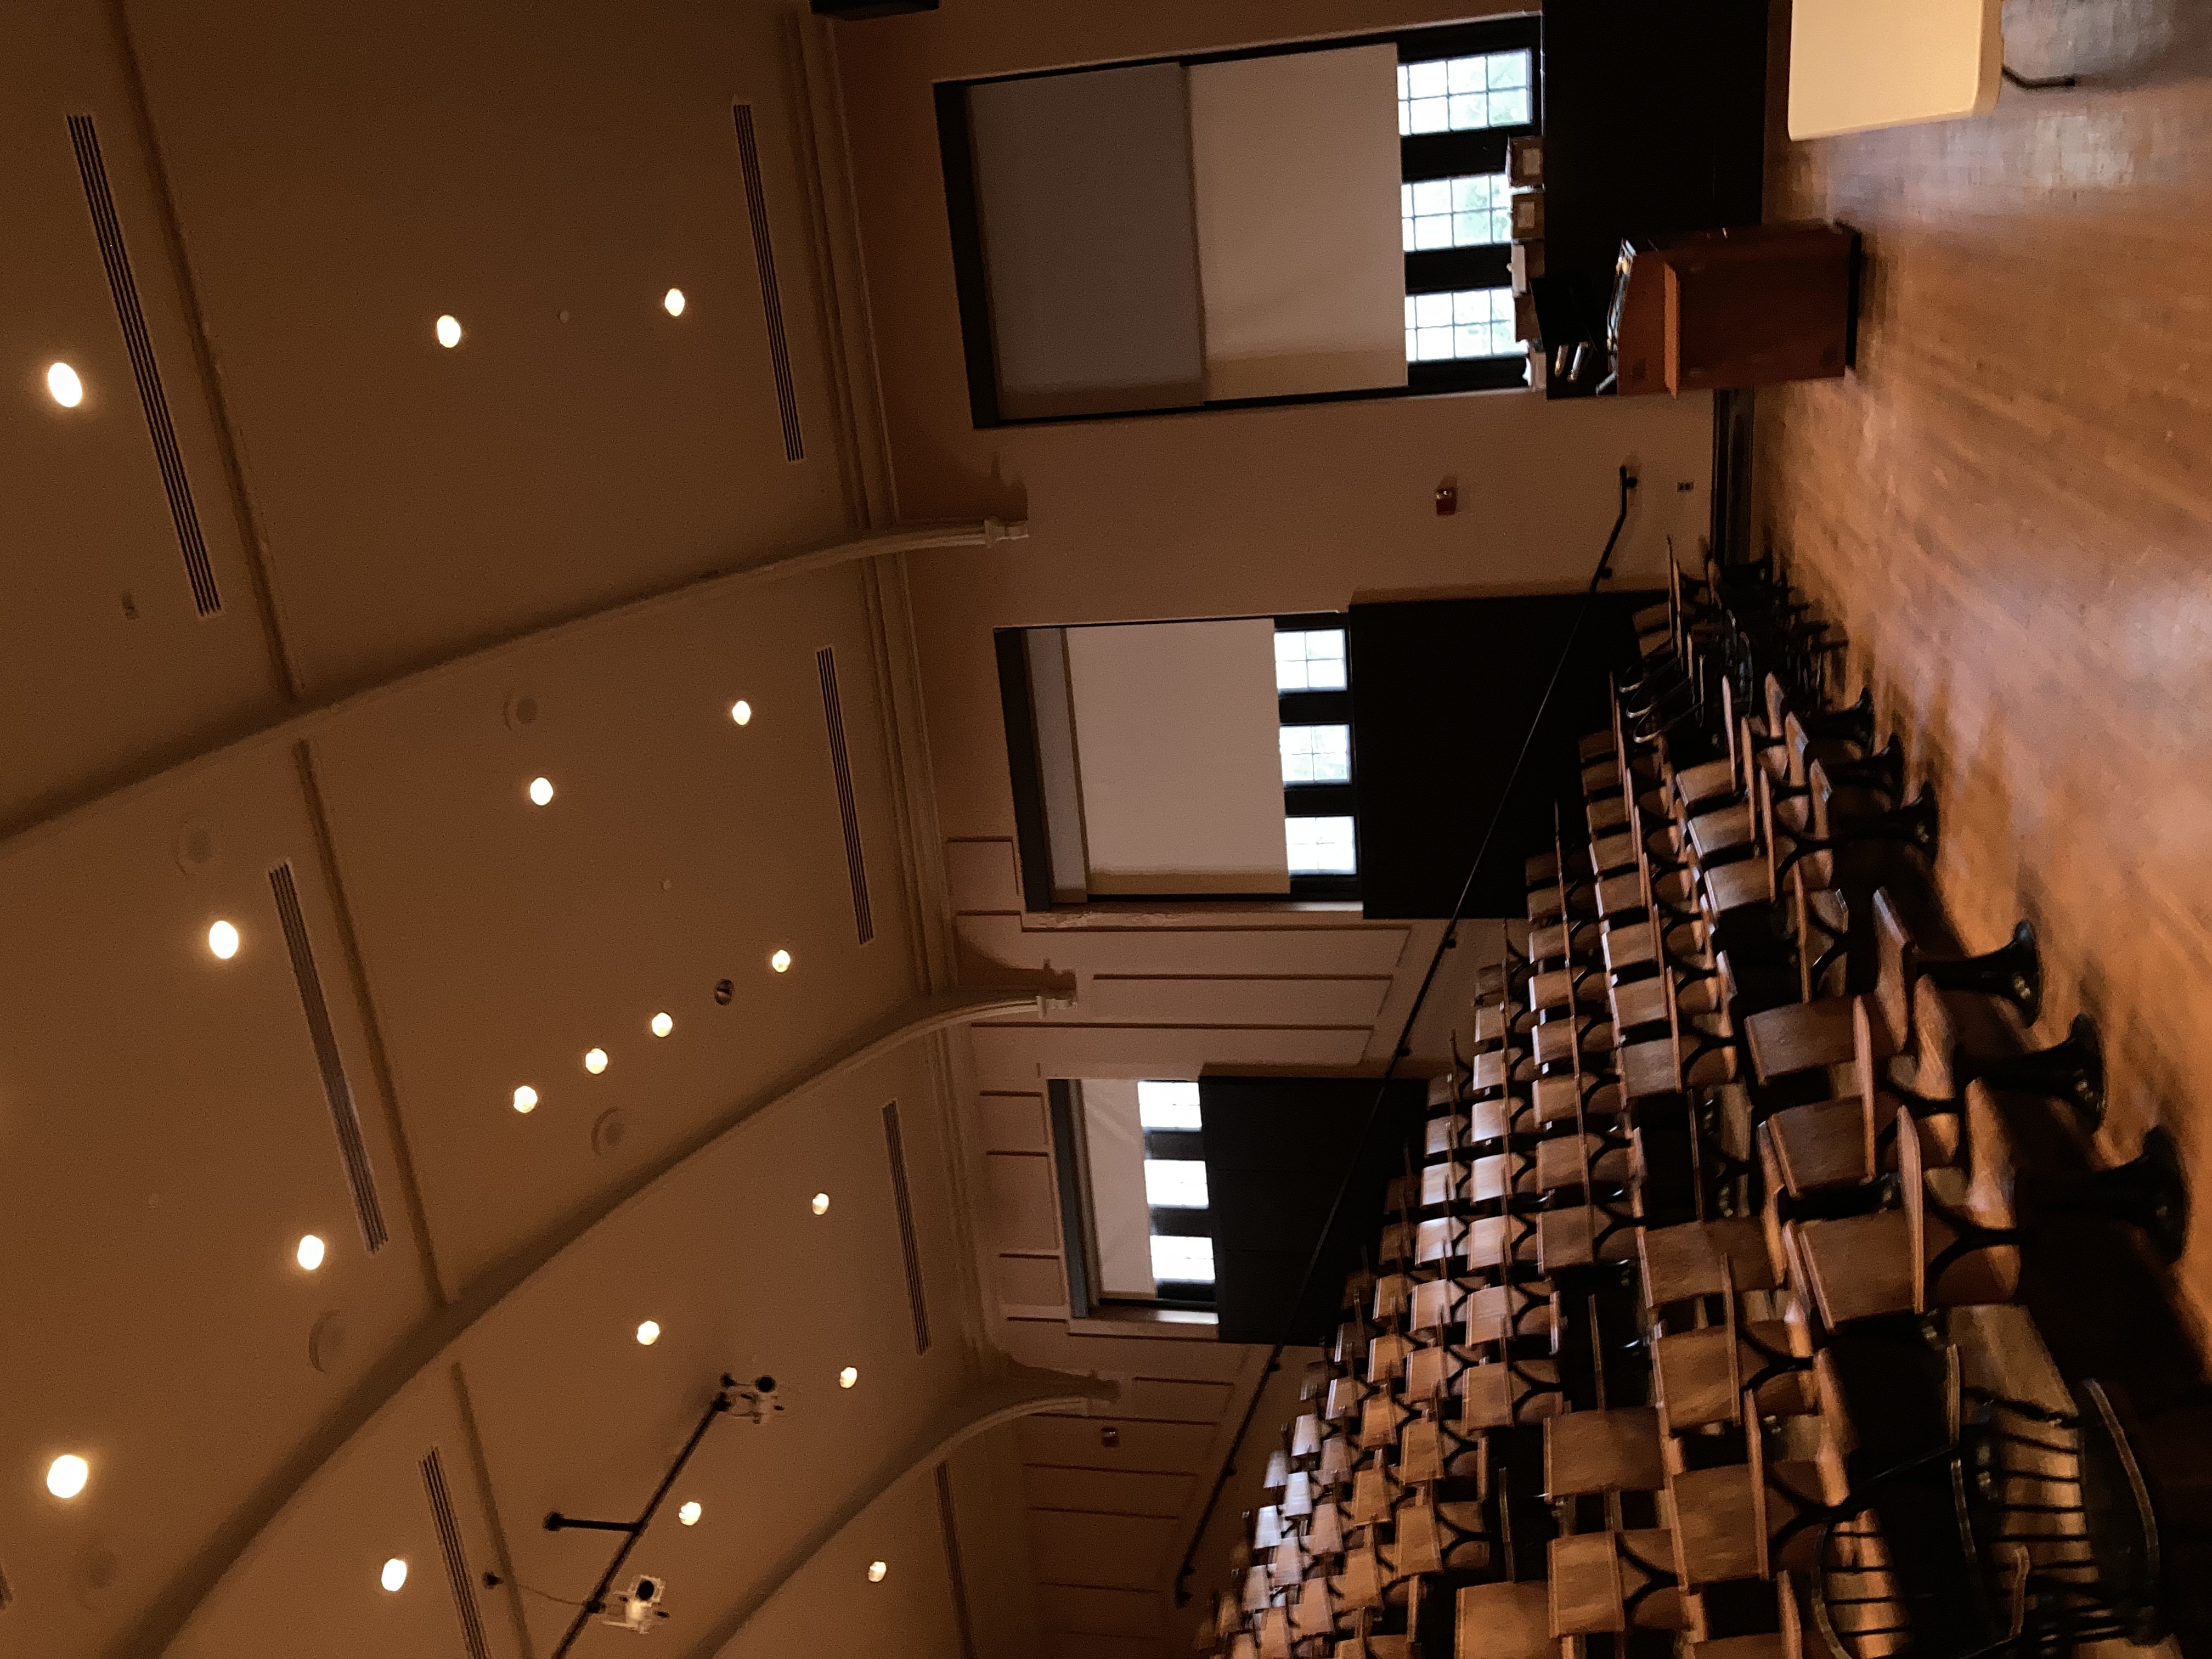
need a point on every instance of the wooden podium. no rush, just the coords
(1723, 310)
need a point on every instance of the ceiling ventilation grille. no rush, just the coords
(109, 229)
(457, 1560)
(779, 345)
(361, 1176)
(904, 1200)
(957, 1573)
(841, 762)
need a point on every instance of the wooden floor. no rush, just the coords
(2010, 508)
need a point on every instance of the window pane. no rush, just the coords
(1459, 95)
(1174, 1183)
(1469, 110)
(1437, 213)
(1189, 1260)
(1167, 1105)
(1316, 754)
(1320, 847)
(1309, 659)
(1474, 322)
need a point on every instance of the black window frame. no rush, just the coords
(1421, 156)
(1321, 800)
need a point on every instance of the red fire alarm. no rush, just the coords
(1447, 498)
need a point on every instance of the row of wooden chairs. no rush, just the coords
(1688, 1321)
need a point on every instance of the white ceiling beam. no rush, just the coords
(59, 815)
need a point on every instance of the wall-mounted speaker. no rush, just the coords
(855, 12)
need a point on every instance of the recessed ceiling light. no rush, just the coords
(595, 1061)
(821, 1204)
(526, 1099)
(846, 1377)
(876, 1571)
(741, 712)
(222, 939)
(672, 302)
(689, 1514)
(648, 1332)
(541, 791)
(781, 962)
(449, 332)
(66, 1475)
(663, 1024)
(394, 1574)
(63, 386)
(310, 1253)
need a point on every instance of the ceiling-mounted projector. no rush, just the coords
(638, 1607)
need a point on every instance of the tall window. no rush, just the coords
(1174, 1191)
(1462, 93)
(1313, 701)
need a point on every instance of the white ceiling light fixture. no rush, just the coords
(64, 386)
(222, 940)
(541, 791)
(393, 1576)
(689, 1514)
(66, 1475)
(595, 1061)
(310, 1253)
(741, 712)
(672, 302)
(821, 1204)
(781, 962)
(877, 1570)
(449, 332)
(848, 1377)
(648, 1332)
(526, 1099)
(663, 1024)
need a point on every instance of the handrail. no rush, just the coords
(1401, 1049)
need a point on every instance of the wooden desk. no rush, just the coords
(1858, 64)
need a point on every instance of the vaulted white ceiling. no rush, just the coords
(393, 531)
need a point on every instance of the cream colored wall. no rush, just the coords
(1221, 514)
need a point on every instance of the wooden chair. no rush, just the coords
(1702, 1259)
(1601, 1451)
(1603, 1584)
(1505, 1620)
(1864, 1267)
(1834, 1144)
(1786, 1642)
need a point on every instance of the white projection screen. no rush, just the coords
(1090, 254)
(1179, 755)
(1295, 169)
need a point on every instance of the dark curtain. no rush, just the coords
(1279, 1152)
(1442, 692)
